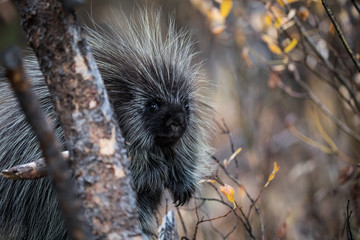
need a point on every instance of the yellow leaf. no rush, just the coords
(225, 8)
(278, 22)
(291, 45)
(228, 191)
(274, 48)
(281, 3)
(272, 175)
(267, 20)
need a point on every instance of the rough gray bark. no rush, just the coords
(81, 102)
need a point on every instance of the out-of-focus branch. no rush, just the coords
(341, 34)
(356, 6)
(30, 171)
(347, 224)
(333, 85)
(51, 149)
(342, 79)
(304, 36)
(321, 106)
(182, 222)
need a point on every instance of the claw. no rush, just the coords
(182, 195)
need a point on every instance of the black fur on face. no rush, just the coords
(167, 121)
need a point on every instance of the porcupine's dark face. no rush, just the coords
(167, 121)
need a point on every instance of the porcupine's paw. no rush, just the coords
(182, 192)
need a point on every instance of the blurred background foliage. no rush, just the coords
(285, 90)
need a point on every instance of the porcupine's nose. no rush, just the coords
(173, 128)
(176, 121)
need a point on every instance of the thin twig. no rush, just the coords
(216, 218)
(225, 130)
(224, 237)
(244, 222)
(348, 227)
(356, 6)
(231, 231)
(341, 34)
(197, 224)
(246, 219)
(254, 202)
(262, 227)
(182, 222)
(289, 91)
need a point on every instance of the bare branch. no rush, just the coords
(356, 6)
(30, 171)
(182, 221)
(348, 227)
(322, 107)
(342, 79)
(341, 34)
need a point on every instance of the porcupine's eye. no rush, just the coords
(154, 105)
(186, 105)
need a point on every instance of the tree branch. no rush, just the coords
(31, 170)
(322, 107)
(91, 132)
(341, 34)
(356, 6)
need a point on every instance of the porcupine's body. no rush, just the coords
(160, 105)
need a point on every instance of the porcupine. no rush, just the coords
(160, 102)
